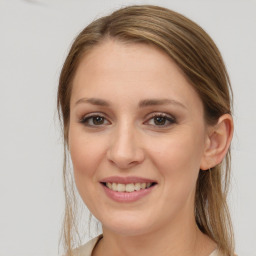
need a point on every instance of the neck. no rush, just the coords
(181, 239)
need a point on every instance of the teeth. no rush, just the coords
(131, 187)
(137, 187)
(109, 185)
(143, 185)
(114, 186)
(121, 187)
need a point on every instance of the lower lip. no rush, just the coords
(127, 196)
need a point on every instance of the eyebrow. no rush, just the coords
(157, 102)
(93, 101)
(143, 103)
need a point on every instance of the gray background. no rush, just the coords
(34, 39)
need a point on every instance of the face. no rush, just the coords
(137, 138)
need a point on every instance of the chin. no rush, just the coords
(127, 230)
(127, 225)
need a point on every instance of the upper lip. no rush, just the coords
(126, 180)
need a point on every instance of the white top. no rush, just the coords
(86, 249)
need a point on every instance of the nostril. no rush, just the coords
(124, 154)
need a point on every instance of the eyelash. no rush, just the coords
(85, 119)
(167, 118)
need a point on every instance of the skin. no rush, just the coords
(129, 142)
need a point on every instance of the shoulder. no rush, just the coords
(86, 249)
(218, 253)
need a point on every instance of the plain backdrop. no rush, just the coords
(34, 39)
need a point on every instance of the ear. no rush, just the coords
(217, 142)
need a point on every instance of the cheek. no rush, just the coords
(178, 150)
(86, 152)
(178, 161)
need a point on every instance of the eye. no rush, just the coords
(94, 120)
(161, 120)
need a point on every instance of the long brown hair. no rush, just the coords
(198, 57)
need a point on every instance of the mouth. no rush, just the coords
(129, 187)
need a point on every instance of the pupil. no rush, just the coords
(98, 120)
(159, 120)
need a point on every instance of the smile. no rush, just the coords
(127, 189)
(131, 187)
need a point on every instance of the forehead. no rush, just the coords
(114, 56)
(130, 70)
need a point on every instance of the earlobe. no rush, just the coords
(218, 142)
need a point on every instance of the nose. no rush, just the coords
(125, 150)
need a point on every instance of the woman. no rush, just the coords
(145, 102)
